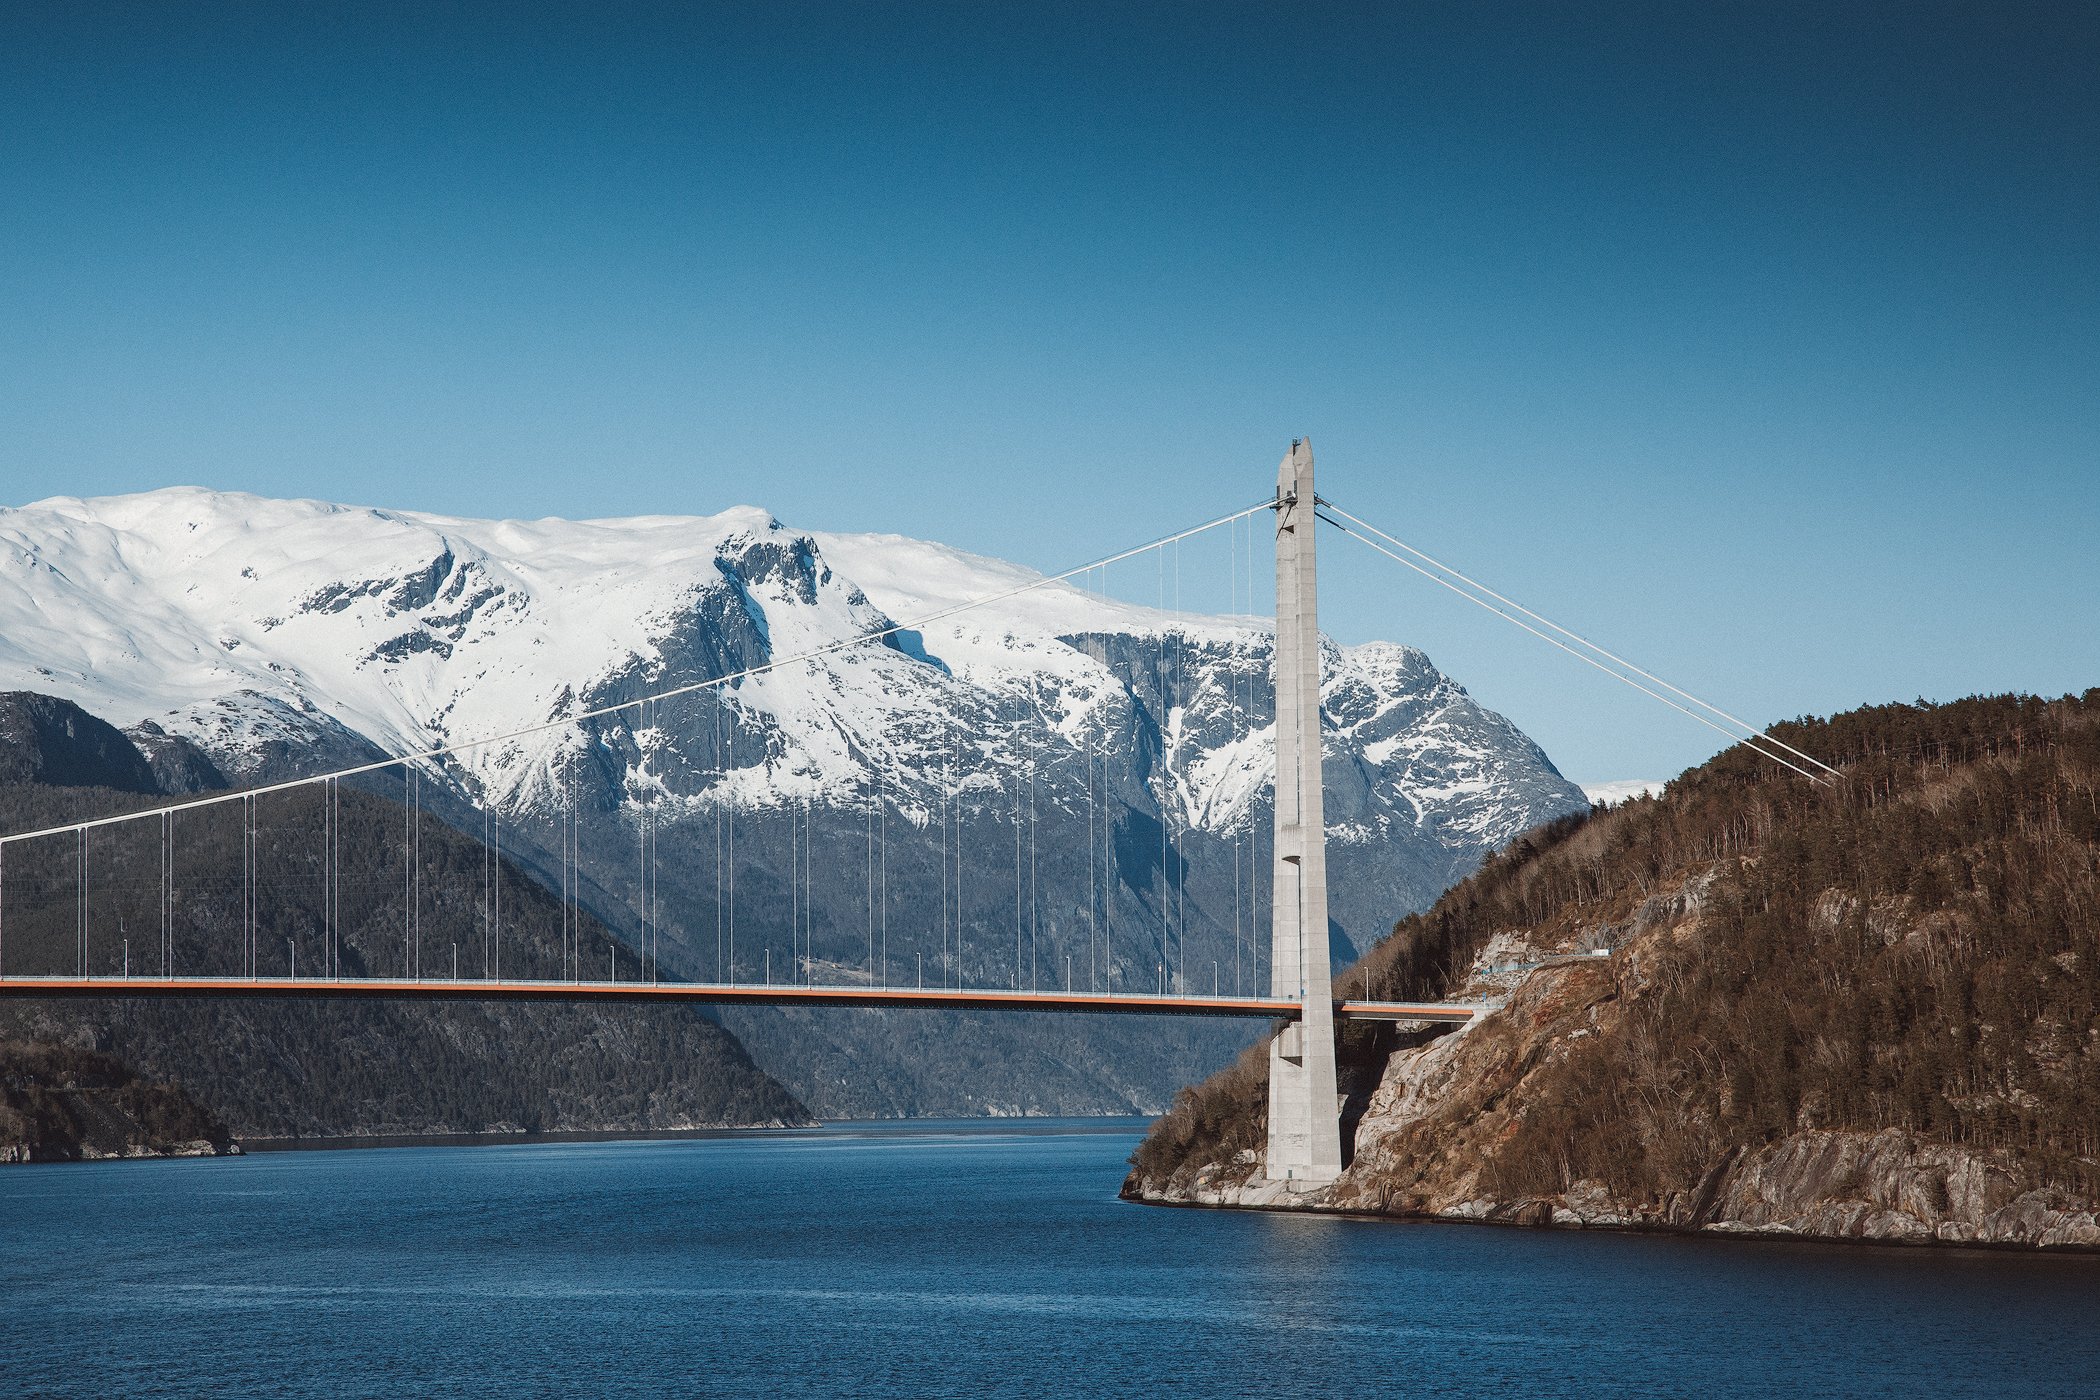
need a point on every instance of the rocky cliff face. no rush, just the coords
(54, 742)
(1726, 1044)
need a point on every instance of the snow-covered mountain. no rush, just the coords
(291, 636)
(1622, 790)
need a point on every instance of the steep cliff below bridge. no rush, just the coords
(1864, 1012)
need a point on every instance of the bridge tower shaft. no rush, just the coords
(1305, 1141)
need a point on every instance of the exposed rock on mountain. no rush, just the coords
(1866, 1012)
(179, 767)
(54, 742)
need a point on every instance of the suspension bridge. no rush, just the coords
(55, 939)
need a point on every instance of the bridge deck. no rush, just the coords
(717, 994)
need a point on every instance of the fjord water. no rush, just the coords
(939, 1260)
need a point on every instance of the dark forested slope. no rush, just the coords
(63, 1103)
(1861, 1009)
(330, 1068)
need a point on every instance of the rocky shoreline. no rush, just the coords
(61, 1103)
(20, 1153)
(1880, 1188)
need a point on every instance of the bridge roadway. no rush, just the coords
(720, 994)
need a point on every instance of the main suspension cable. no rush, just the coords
(1578, 637)
(1749, 739)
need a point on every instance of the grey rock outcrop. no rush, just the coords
(55, 743)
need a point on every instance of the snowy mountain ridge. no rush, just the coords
(237, 620)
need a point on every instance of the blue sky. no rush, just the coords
(1757, 341)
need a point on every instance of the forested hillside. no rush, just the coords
(331, 1068)
(1866, 1008)
(63, 1103)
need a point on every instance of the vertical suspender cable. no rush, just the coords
(419, 872)
(328, 879)
(656, 913)
(794, 893)
(729, 824)
(248, 886)
(809, 891)
(1166, 876)
(1232, 582)
(652, 948)
(1091, 926)
(797, 823)
(327, 876)
(648, 854)
(408, 865)
(559, 782)
(801, 872)
(1034, 916)
(871, 876)
(572, 856)
(641, 831)
(809, 913)
(1097, 759)
(335, 862)
(1181, 862)
(721, 801)
(572, 853)
(496, 921)
(882, 833)
(1255, 867)
(949, 897)
(1108, 869)
(1246, 815)
(1017, 881)
(1021, 781)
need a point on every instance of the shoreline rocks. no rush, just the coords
(63, 1103)
(1886, 1187)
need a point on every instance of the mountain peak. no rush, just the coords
(237, 620)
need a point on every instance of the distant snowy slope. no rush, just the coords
(410, 630)
(1625, 789)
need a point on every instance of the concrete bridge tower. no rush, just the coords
(1305, 1140)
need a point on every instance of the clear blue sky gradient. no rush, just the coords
(1757, 341)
